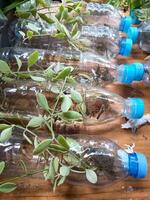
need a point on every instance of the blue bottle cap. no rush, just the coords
(125, 24)
(133, 34)
(136, 108)
(139, 71)
(128, 73)
(137, 166)
(125, 47)
(135, 19)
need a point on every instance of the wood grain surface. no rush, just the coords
(129, 189)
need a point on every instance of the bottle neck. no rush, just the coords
(134, 108)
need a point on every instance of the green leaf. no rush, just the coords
(64, 171)
(49, 72)
(64, 73)
(55, 89)
(23, 14)
(42, 146)
(83, 108)
(45, 18)
(42, 101)
(59, 35)
(4, 126)
(27, 138)
(56, 164)
(36, 121)
(33, 58)
(64, 14)
(65, 30)
(13, 5)
(38, 79)
(61, 181)
(29, 34)
(2, 166)
(33, 28)
(57, 148)
(6, 134)
(51, 171)
(71, 160)
(61, 8)
(4, 68)
(61, 140)
(43, 3)
(91, 176)
(36, 142)
(19, 62)
(71, 80)
(74, 29)
(66, 103)
(76, 96)
(74, 145)
(7, 187)
(71, 115)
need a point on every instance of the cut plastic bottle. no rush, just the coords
(141, 36)
(109, 161)
(18, 99)
(89, 69)
(102, 40)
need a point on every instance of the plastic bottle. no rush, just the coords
(89, 69)
(141, 36)
(106, 14)
(100, 106)
(110, 162)
(102, 40)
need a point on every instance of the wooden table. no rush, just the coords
(130, 189)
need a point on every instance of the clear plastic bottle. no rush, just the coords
(141, 36)
(100, 106)
(102, 39)
(106, 14)
(89, 69)
(110, 162)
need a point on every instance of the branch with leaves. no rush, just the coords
(62, 155)
(65, 155)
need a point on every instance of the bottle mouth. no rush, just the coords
(137, 165)
(134, 108)
(125, 47)
(133, 34)
(125, 24)
(128, 73)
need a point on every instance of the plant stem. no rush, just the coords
(23, 176)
